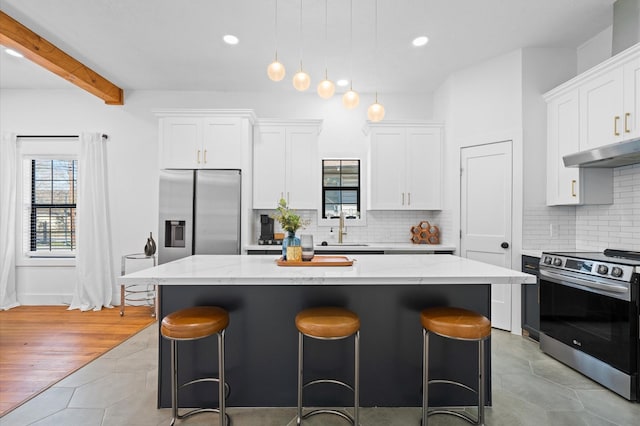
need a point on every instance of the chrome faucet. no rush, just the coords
(341, 229)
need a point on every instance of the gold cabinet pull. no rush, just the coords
(626, 122)
(573, 188)
(198, 156)
(205, 156)
(615, 125)
(409, 196)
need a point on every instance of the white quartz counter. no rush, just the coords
(386, 247)
(366, 270)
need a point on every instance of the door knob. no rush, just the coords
(504, 245)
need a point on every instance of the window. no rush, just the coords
(341, 188)
(53, 205)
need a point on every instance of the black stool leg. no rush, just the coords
(221, 382)
(356, 378)
(174, 382)
(300, 378)
(425, 377)
(481, 347)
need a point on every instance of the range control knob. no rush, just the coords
(616, 272)
(557, 261)
(547, 260)
(603, 269)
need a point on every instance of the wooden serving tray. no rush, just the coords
(318, 261)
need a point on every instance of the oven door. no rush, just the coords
(602, 326)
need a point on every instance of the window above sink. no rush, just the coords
(342, 193)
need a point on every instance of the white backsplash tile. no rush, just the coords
(593, 227)
(615, 225)
(382, 226)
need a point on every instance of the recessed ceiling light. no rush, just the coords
(420, 41)
(342, 83)
(13, 53)
(230, 39)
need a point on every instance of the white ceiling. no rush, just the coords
(177, 44)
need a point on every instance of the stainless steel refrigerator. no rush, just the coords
(199, 213)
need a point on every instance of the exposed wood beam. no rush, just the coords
(20, 38)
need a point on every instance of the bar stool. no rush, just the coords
(192, 324)
(329, 323)
(459, 324)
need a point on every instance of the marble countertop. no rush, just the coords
(387, 247)
(366, 270)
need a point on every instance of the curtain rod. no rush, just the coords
(56, 136)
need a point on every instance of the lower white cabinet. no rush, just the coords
(286, 164)
(405, 166)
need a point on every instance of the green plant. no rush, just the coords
(288, 219)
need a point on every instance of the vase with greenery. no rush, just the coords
(290, 222)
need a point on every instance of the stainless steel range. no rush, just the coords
(589, 315)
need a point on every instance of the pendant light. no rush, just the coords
(326, 88)
(375, 112)
(301, 80)
(351, 99)
(275, 70)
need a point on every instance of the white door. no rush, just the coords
(485, 217)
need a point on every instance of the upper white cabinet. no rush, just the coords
(609, 105)
(571, 185)
(599, 107)
(405, 166)
(204, 139)
(631, 117)
(286, 164)
(600, 110)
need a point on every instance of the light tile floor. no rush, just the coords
(529, 388)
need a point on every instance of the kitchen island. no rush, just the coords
(387, 292)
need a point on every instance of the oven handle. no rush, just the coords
(563, 279)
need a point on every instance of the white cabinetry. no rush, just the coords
(286, 164)
(405, 166)
(631, 118)
(565, 185)
(600, 110)
(204, 139)
(599, 107)
(610, 104)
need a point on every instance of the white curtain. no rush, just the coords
(94, 262)
(8, 165)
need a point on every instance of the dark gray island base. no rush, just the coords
(261, 345)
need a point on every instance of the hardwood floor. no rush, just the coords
(39, 345)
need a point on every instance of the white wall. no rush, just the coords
(480, 104)
(543, 227)
(133, 151)
(595, 50)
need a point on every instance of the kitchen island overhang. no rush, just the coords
(387, 292)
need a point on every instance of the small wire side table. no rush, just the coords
(138, 295)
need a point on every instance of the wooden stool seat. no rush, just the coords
(194, 323)
(327, 322)
(456, 323)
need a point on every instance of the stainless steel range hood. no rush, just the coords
(612, 155)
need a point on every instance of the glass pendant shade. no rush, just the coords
(350, 99)
(375, 112)
(326, 89)
(301, 81)
(276, 71)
